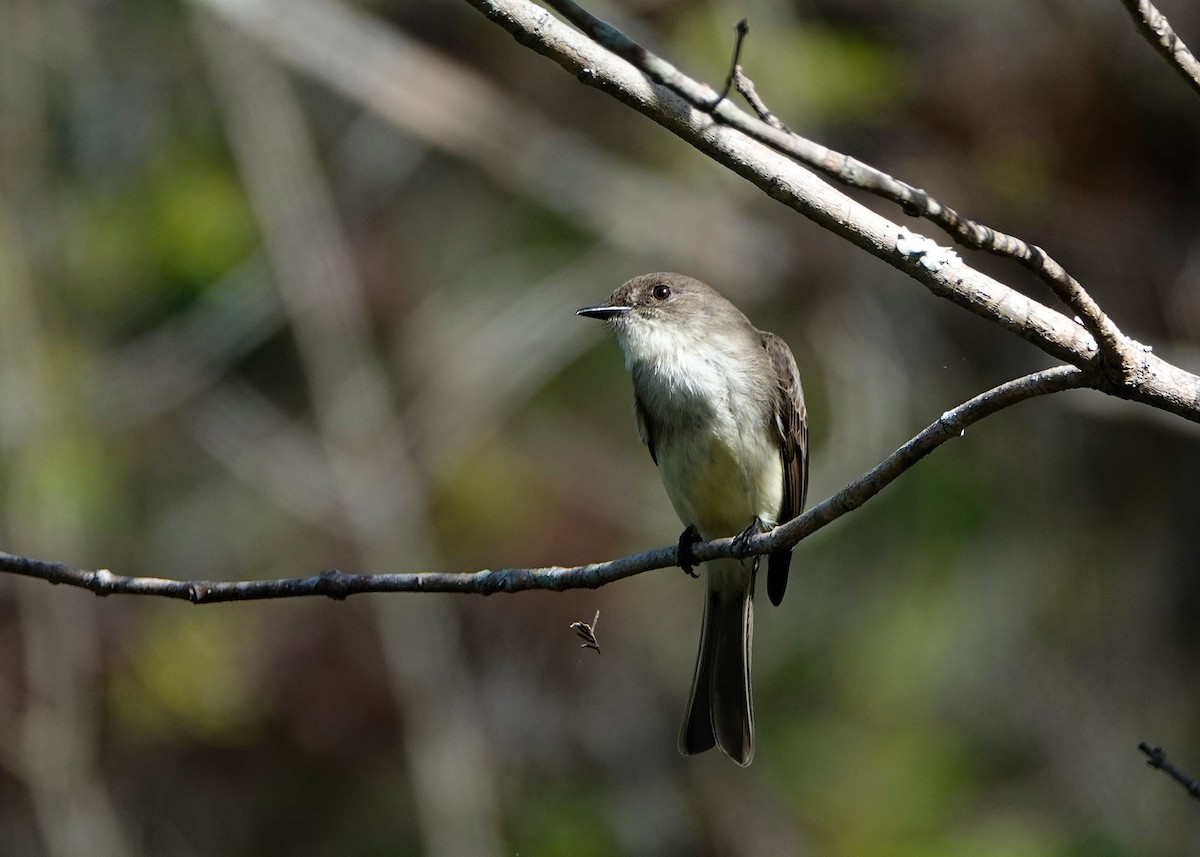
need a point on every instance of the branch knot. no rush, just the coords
(334, 583)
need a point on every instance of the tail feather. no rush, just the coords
(720, 710)
(777, 575)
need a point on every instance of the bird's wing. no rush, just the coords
(644, 427)
(791, 420)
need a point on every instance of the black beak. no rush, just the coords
(604, 313)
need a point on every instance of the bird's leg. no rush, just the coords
(687, 561)
(742, 539)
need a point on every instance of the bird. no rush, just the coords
(720, 407)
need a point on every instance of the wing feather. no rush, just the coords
(645, 427)
(791, 419)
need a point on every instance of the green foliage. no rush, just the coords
(191, 677)
(887, 723)
(145, 248)
(491, 497)
(1018, 173)
(806, 72)
(940, 505)
(555, 817)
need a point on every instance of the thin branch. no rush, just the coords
(1114, 348)
(951, 424)
(755, 153)
(740, 30)
(1157, 758)
(1157, 30)
(745, 86)
(966, 232)
(338, 585)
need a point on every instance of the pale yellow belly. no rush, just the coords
(719, 484)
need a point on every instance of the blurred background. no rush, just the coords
(287, 286)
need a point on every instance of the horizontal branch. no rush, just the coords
(338, 585)
(715, 127)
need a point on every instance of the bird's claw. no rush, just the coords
(741, 542)
(687, 560)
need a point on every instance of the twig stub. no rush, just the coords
(1156, 758)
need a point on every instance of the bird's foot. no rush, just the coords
(687, 560)
(741, 542)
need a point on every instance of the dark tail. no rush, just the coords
(720, 710)
(777, 575)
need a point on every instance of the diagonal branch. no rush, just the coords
(854, 173)
(1157, 30)
(949, 425)
(338, 585)
(1156, 758)
(757, 154)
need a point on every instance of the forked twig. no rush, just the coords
(1115, 350)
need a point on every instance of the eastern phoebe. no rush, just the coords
(719, 405)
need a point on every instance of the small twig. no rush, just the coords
(1155, 382)
(587, 633)
(1157, 30)
(1157, 758)
(338, 585)
(1115, 350)
(741, 28)
(746, 87)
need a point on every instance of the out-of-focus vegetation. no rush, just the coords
(284, 294)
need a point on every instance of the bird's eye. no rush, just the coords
(661, 292)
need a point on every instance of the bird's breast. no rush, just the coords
(714, 440)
